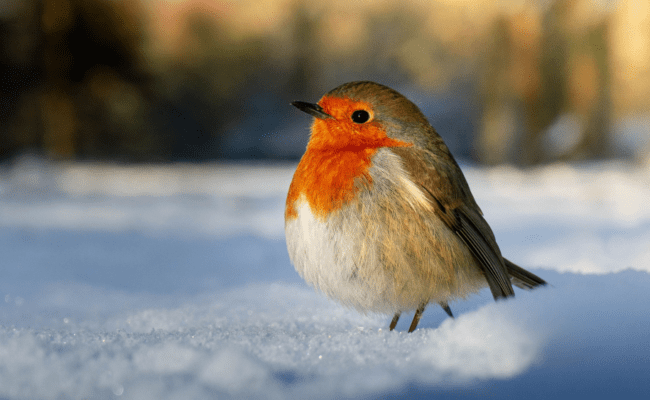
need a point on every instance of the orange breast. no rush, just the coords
(326, 177)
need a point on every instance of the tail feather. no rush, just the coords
(522, 278)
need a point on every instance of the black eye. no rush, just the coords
(360, 116)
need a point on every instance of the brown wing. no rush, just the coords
(441, 178)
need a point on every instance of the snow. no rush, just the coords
(173, 282)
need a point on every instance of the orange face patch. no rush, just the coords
(339, 151)
(341, 132)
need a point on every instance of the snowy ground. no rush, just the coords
(173, 282)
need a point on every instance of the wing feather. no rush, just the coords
(455, 205)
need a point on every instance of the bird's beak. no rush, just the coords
(311, 109)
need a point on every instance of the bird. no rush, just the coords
(379, 215)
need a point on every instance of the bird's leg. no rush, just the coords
(416, 317)
(394, 321)
(445, 307)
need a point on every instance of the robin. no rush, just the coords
(380, 217)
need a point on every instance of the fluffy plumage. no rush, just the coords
(380, 217)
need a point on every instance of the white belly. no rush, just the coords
(340, 259)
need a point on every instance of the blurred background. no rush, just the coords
(121, 211)
(520, 82)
